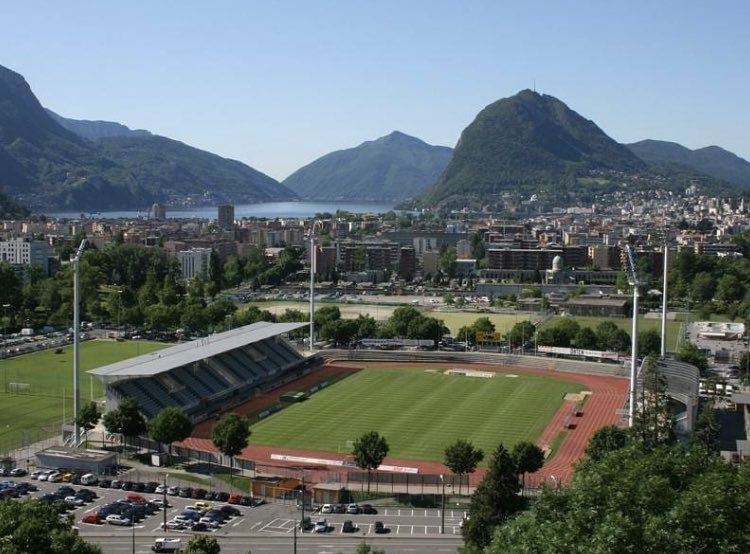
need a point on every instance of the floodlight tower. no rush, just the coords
(664, 302)
(312, 282)
(77, 343)
(634, 282)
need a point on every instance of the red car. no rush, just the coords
(234, 498)
(136, 498)
(92, 517)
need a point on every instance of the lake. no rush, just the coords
(266, 209)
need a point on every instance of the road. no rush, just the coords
(307, 544)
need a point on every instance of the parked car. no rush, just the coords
(201, 527)
(88, 479)
(234, 498)
(176, 524)
(339, 509)
(93, 518)
(367, 509)
(117, 519)
(380, 528)
(222, 496)
(36, 474)
(160, 489)
(212, 523)
(348, 527)
(18, 472)
(73, 501)
(352, 509)
(305, 524)
(173, 491)
(186, 492)
(230, 511)
(326, 509)
(105, 483)
(321, 526)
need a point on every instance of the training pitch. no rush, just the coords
(419, 411)
(36, 390)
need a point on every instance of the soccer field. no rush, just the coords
(37, 388)
(419, 411)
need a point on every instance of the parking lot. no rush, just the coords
(132, 512)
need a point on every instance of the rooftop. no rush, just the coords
(186, 353)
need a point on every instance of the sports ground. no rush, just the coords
(537, 395)
(419, 410)
(36, 392)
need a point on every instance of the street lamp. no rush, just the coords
(5, 324)
(164, 501)
(442, 507)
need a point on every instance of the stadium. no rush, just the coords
(306, 410)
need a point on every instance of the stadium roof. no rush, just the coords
(186, 353)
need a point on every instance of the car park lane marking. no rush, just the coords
(256, 525)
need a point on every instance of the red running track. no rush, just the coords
(608, 395)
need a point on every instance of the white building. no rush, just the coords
(194, 262)
(25, 252)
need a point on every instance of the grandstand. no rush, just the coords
(208, 375)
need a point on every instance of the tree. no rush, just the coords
(529, 458)
(125, 420)
(36, 527)
(652, 424)
(705, 436)
(691, 354)
(586, 339)
(703, 287)
(521, 332)
(202, 544)
(215, 274)
(462, 458)
(448, 261)
(170, 425)
(495, 500)
(88, 418)
(339, 331)
(231, 435)
(611, 337)
(665, 499)
(606, 440)
(649, 343)
(369, 452)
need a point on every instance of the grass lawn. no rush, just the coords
(50, 377)
(503, 322)
(673, 327)
(419, 412)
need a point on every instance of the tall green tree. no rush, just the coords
(495, 500)
(529, 458)
(231, 436)
(691, 354)
(88, 418)
(170, 425)
(462, 458)
(652, 424)
(34, 527)
(663, 499)
(521, 332)
(125, 420)
(369, 451)
(605, 440)
(705, 435)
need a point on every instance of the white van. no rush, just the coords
(89, 479)
(166, 545)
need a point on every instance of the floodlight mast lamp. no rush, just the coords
(634, 282)
(77, 343)
(312, 283)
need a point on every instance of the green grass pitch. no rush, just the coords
(50, 380)
(419, 412)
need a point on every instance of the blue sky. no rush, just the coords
(278, 84)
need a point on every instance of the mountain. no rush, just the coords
(95, 130)
(391, 168)
(533, 145)
(175, 170)
(525, 142)
(711, 160)
(45, 166)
